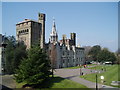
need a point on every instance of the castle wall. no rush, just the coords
(30, 32)
(23, 33)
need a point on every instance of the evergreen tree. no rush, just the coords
(14, 52)
(34, 69)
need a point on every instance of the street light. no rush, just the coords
(96, 82)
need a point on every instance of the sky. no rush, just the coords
(95, 23)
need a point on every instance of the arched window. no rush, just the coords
(27, 30)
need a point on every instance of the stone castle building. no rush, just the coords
(2, 54)
(31, 31)
(63, 53)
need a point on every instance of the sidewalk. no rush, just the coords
(7, 82)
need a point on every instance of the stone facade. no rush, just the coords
(41, 19)
(2, 54)
(64, 53)
(31, 31)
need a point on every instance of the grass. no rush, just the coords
(76, 67)
(58, 82)
(99, 67)
(19, 85)
(110, 75)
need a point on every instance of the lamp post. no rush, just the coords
(4, 46)
(96, 81)
(96, 76)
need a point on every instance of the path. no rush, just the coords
(7, 82)
(73, 74)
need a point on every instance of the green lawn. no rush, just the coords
(110, 75)
(58, 82)
(99, 67)
(79, 66)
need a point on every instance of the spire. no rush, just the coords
(54, 28)
(54, 32)
(53, 22)
(53, 35)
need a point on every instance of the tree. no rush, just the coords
(87, 50)
(53, 57)
(118, 56)
(34, 69)
(118, 51)
(14, 52)
(94, 52)
(19, 53)
(118, 59)
(106, 55)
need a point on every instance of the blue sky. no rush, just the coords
(93, 22)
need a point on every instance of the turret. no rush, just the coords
(41, 19)
(73, 38)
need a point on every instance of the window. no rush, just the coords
(66, 48)
(27, 30)
(63, 53)
(68, 53)
(63, 61)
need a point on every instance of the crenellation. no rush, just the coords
(30, 32)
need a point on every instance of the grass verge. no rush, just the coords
(58, 82)
(110, 75)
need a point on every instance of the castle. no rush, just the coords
(63, 53)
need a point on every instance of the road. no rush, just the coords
(73, 74)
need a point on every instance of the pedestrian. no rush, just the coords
(82, 73)
(84, 66)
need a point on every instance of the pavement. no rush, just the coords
(7, 82)
(74, 75)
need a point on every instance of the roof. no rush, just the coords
(80, 48)
(27, 20)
